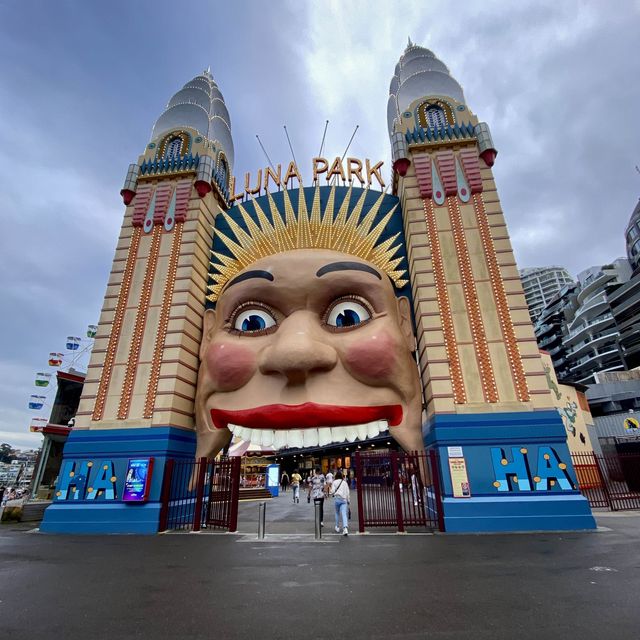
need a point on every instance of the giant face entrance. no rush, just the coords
(386, 490)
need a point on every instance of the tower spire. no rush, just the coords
(409, 43)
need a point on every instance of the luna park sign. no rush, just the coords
(344, 169)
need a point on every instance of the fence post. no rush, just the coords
(601, 462)
(166, 495)
(235, 492)
(360, 492)
(197, 512)
(435, 476)
(396, 490)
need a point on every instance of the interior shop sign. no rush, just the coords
(339, 170)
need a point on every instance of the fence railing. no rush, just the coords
(199, 494)
(609, 481)
(398, 490)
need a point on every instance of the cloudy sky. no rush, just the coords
(82, 83)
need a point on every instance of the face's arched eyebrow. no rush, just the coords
(347, 266)
(247, 275)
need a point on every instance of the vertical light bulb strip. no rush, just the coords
(502, 306)
(116, 326)
(444, 305)
(478, 334)
(141, 319)
(163, 323)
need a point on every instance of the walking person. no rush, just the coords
(342, 499)
(284, 481)
(328, 482)
(296, 479)
(316, 491)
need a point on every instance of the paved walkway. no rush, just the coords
(225, 586)
(286, 517)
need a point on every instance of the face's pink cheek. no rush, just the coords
(230, 366)
(373, 357)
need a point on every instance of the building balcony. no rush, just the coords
(594, 308)
(594, 342)
(600, 323)
(595, 285)
(596, 357)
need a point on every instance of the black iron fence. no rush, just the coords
(609, 481)
(398, 490)
(200, 494)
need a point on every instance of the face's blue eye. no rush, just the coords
(347, 313)
(252, 320)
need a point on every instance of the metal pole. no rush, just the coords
(262, 514)
(318, 528)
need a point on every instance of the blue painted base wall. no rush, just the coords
(553, 508)
(113, 448)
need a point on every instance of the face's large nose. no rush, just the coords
(298, 349)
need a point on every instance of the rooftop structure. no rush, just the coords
(541, 285)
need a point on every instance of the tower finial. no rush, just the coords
(409, 43)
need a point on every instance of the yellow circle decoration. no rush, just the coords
(552, 483)
(546, 456)
(106, 466)
(58, 493)
(71, 474)
(496, 484)
(90, 490)
(89, 464)
(113, 478)
(504, 462)
(562, 466)
(523, 450)
(536, 479)
(515, 479)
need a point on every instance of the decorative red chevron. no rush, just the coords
(183, 193)
(422, 163)
(471, 168)
(140, 204)
(447, 170)
(163, 193)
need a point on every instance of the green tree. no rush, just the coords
(6, 452)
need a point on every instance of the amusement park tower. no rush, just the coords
(482, 374)
(140, 387)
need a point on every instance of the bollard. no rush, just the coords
(316, 505)
(262, 514)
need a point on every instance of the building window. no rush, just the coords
(633, 233)
(435, 117)
(223, 171)
(173, 148)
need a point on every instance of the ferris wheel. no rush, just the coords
(75, 356)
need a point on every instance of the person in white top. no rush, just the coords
(328, 482)
(340, 491)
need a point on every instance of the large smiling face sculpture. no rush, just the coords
(308, 344)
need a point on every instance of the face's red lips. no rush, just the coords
(305, 416)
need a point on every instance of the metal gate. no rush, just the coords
(398, 489)
(200, 494)
(611, 481)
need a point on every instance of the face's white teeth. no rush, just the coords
(267, 437)
(362, 431)
(324, 436)
(372, 429)
(241, 432)
(383, 425)
(310, 437)
(337, 434)
(279, 439)
(256, 436)
(351, 433)
(295, 438)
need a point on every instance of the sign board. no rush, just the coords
(459, 478)
(454, 452)
(273, 479)
(138, 480)
(631, 423)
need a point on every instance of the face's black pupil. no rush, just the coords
(253, 323)
(347, 318)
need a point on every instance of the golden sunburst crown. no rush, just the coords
(317, 229)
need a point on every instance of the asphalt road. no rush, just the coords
(538, 586)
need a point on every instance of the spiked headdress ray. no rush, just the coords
(317, 229)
